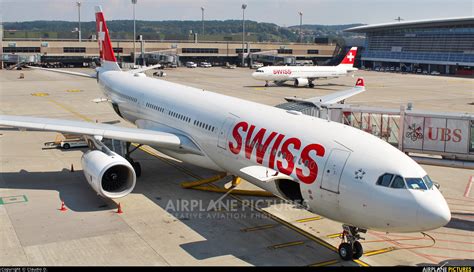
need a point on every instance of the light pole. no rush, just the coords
(202, 18)
(301, 25)
(134, 2)
(244, 6)
(79, 15)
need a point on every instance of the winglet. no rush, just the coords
(360, 82)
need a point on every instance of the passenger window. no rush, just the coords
(384, 180)
(398, 183)
(416, 184)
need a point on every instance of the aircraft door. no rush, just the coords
(224, 131)
(333, 170)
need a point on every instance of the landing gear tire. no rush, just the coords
(358, 250)
(66, 146)
(345, 251)
(138, 169)
(311, 85)
(266, 83)
(350, 247)
(136, 165)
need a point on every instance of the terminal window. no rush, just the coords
(21, 50)
(313, 51)
(200, 50)
(285, 51)
(74, 50)
(252, 50)
(118, 50)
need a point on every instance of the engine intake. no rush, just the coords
(301, 82)
(110, 175)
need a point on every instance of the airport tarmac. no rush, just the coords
(155, 230)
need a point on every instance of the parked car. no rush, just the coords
(191, 64)
(397, 69)
(256, 65)
(425, 72)
(418, 70)
(205, 65)
(435, 73)
(392, 69)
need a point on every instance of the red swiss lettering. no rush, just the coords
(309, 163)
(237, 137)
(288, 156)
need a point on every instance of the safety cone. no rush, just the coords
(63, 207)
(119, 208)
(72, 167)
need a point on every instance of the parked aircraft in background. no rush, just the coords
(306, 75)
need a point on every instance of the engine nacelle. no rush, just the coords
(109, 175)
(301, 82)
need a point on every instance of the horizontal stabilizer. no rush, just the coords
(143, 69)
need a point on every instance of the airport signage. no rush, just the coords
(436, 134)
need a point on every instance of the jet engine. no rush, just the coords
(109, 174)
(301, 82)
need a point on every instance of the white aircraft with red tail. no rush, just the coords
(306, 75)
(338, 171)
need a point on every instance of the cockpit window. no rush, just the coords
(259, 71)
(428, 181)
(398, 183)
(384, 180)
(416, 184)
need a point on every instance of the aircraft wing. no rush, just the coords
(334, 97)
(143, 69)
(165, 140)
(63, 72)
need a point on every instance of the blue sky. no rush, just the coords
(282, 12)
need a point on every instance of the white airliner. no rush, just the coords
(305, 75)
(340, 172)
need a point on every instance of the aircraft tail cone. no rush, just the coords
(63, 207)
(119, 208)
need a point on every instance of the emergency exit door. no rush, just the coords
(333, 170)
(224, 131)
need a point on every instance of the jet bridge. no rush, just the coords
(429, 137)
(271, 58)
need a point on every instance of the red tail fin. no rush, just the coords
(350, 57)
(105, 45)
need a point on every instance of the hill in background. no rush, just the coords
(228, 30)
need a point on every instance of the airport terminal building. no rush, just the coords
(441, 45)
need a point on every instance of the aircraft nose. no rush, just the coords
(433, 211)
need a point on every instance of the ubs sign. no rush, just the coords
(436, 134)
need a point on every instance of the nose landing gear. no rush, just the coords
(350, 248)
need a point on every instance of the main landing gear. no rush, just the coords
(311, 84)
(350, 248)
(136, 165)
(266, 83)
